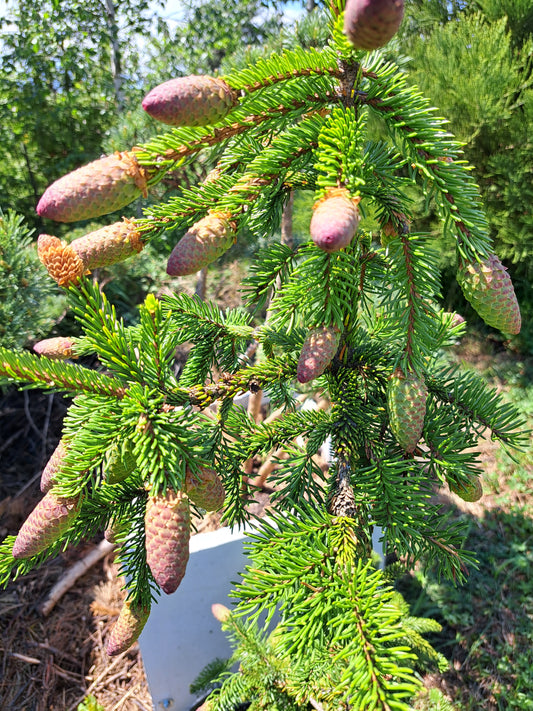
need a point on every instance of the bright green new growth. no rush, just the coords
(301, 124)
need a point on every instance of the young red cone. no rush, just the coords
(370, 24)
(95, 189)
(317, 352)
(205, 489)
(48, 476)
(406, 401)
(335, 220)
(127, 628)
(195, 100)
(59, 348)
(206, 241)
(488, 287)
(167, 526)
(48, 521)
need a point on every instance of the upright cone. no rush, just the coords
(167, 526)
(48, 476)
(488, 287)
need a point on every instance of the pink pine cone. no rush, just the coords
(48, 476)
(49, 520)
(167, 526)
(205, 241)
(59, 348)
(335, 221)
(195, 100)
(317, 352)
(127, 628)
(370, 24)
(95, 189)
(205, 489)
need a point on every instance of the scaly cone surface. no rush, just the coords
(205, 489)
(406, 401)
(317, 352)
(59, 348)
(49, 520)
(95, 189)
(67, 262)
(167, 526)
(127, 628)
(370, 24)
(488, 287)
(206, 241)
(196, 100)
(48, 476)
(472, 491)
(335, 220)
(120, 465)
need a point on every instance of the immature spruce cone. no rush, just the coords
(195, 100)
(205, 241)
(60, 260)
(370, 24)
(120, 464)
(406, 400)
(167, 525)
(48, 521)
(95, 189)
(127, 628)
(488, 287)
(67, 262)
(48, 476)
(205, 489)
(58, 348)
(335, 220)
(317, 352)
(471, 491)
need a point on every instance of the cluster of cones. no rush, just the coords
(167, 530)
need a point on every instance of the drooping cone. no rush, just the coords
(111, 244)
(167, 526)
(317, 352)
(370, 24)
(205, 489)
(120, 464)
(195, 100)
(48, 476)
(335, 220)
(471, 491)
(95, 189)
(406, 401)
(206, 241)
(127, 628)
(488, 287)
(59, 348)
(47, 522)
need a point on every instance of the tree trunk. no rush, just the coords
(116, 57)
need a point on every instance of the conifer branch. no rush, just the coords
(34, 371)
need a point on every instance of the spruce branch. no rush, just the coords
(34, 371)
